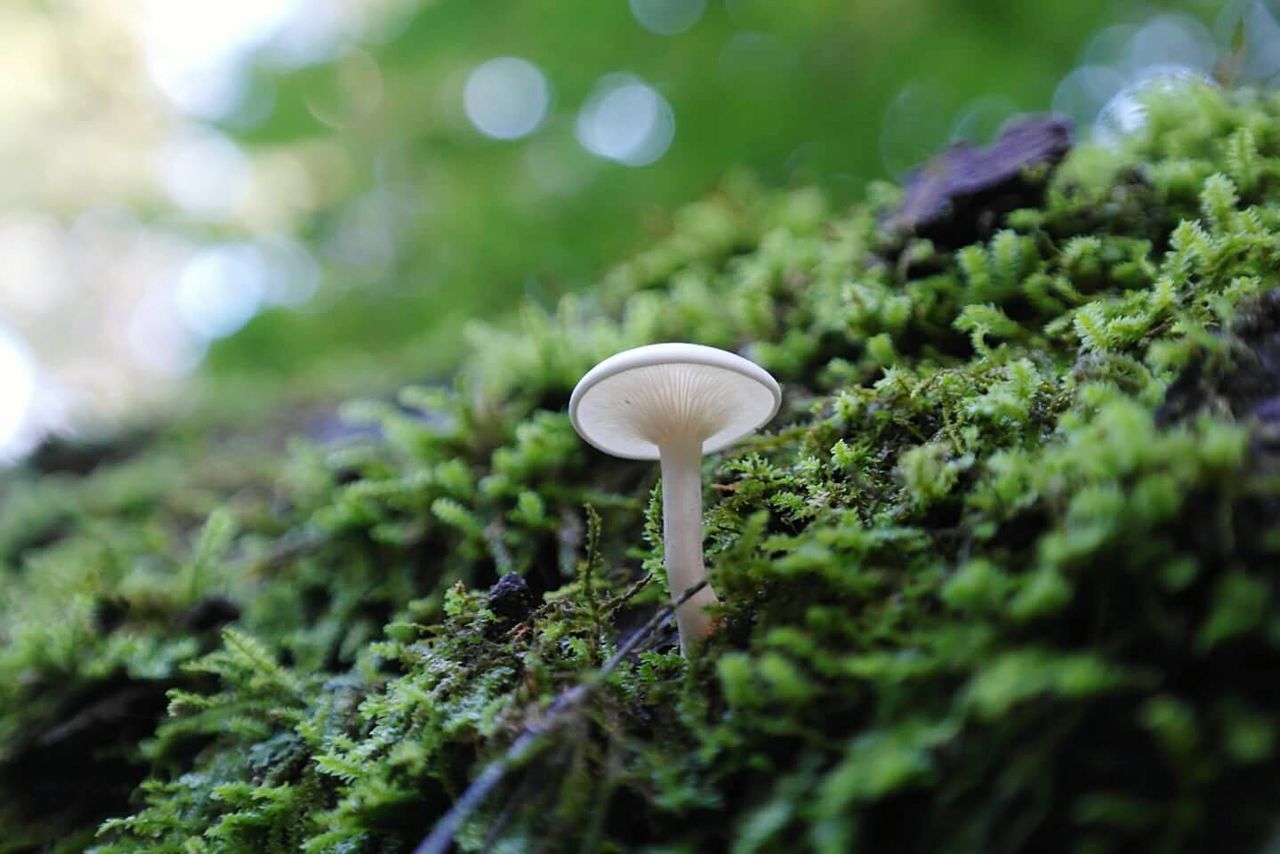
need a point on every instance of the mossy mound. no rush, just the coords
(1002, 576)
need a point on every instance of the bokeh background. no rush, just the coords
(321, 194)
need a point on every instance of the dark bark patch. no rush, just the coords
(961, 195)
(511, 599)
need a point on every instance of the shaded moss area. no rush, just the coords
(1002, 575)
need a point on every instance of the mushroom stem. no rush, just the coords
(682, 537)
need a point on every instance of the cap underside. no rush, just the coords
(631, 412)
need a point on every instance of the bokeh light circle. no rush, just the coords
(626, 120)
(667, 17)
(915, 126)
(1085, 91)
(1172, 40)
(980, 121)
(220, 289)
(203, 172)
(507, 97)
(351, 92)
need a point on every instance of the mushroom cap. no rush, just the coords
(636, 400)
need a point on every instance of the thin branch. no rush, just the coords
(441, 836)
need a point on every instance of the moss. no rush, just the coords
(1001, 576)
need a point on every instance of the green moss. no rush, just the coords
(1000, 577)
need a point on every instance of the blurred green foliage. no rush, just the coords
(794, 92)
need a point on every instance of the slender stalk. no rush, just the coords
(682, 537)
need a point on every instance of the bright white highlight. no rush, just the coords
(17, 390)
(195, 49)
(1126, 112)
(506, 98)
(626, 120)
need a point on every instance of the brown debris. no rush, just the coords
(961, 195)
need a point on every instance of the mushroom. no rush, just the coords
(674, 403)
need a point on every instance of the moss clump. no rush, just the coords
(1003, 576)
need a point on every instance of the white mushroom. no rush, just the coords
(674, 403)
